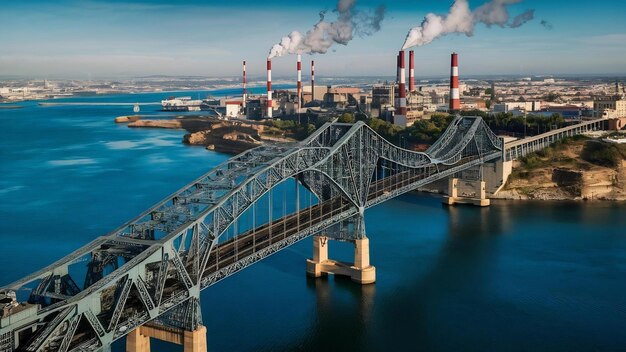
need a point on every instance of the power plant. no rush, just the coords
(403, 107)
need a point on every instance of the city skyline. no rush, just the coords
(96, 39)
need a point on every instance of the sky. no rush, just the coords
(92, 39)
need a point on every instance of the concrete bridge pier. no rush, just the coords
(193, 341)
(182, 325)
(360, 271)
(467, 192)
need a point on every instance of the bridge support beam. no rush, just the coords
(360, 271)
(193, 341)
(477, 194)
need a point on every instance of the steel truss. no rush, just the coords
(153, 268)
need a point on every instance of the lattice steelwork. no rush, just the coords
(152, 269)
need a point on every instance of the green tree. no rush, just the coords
(346, 118)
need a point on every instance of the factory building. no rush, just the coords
(383, 97)
(341, 97)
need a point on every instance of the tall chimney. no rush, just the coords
(396, 103)
(312, 80)
(245, 93)
(455, 94)
(299, 90)
(269, 89)
(401, 109)
(411, 71)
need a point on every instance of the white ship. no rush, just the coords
(181, 104)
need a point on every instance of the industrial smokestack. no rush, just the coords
(455, 94)
(396, 95)
(401, 109)
(245, 93)
(299, 90)
(411, 71)
(312, 80)
(269, 89)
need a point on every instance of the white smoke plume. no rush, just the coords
(324, 34)
(461, 19)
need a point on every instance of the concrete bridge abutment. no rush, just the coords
(361, 271)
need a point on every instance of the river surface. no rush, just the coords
(513, 277)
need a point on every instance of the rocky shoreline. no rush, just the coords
(562, 173)
(224, 136)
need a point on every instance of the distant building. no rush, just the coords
(568, 111)
(341, 97)
(233, 108)
(517, 106)
(612, 106)
(382, 98)
(472, 103)
(256, 108)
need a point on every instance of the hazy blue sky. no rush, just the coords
(79, 39)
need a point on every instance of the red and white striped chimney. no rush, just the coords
(312, 80)
(299, 93)
(401, 109)
(455, 93)
(269, 89)
(396, 95)
(411, 71)
(245, 92)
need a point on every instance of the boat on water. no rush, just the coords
(180, 104)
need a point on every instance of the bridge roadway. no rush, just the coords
(256, 240)
(522, 147)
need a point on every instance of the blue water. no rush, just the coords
(513, 277)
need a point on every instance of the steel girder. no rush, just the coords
(165, 251)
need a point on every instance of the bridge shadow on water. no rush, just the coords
(413, 283)
(445, 282)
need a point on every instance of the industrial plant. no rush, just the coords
(403, 104)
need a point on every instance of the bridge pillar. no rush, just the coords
(320, 256)
(137, 342)
(474, 193)
(193, 341)
(360, 271)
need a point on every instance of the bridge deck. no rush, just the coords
(520, 148)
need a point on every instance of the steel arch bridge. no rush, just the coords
(152, 269)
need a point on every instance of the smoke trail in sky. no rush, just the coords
(350, 21)
(461, 19)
